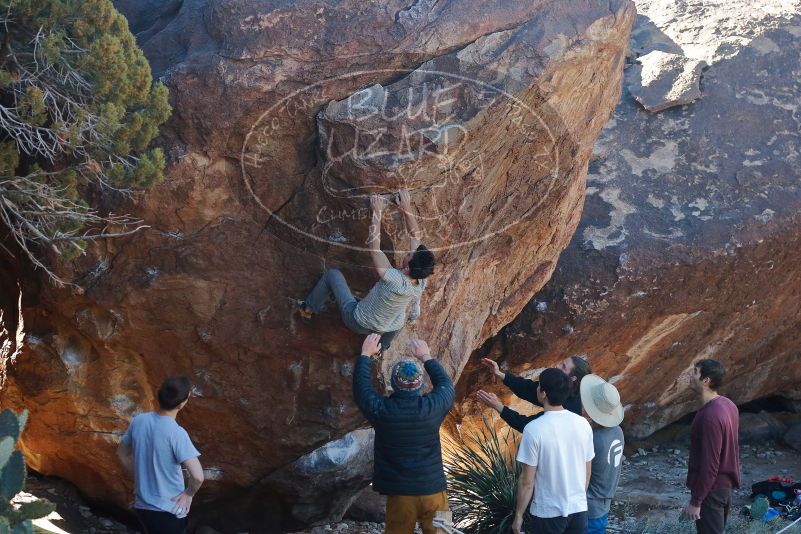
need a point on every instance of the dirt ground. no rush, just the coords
(652, 485)
(653, 477)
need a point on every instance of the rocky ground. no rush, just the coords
(73, 514)
(652, 483)
(651, 486)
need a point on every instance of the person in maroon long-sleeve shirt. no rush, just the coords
(714, 466)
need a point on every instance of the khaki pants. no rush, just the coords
(403, 511)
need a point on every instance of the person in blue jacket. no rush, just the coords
(407, 449)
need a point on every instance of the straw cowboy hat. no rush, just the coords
(601, 401)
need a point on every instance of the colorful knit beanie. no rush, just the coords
(407, 376)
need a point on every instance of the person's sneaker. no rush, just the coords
(303, 311)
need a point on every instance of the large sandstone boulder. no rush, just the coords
(689, 245)
(326, 481)
(759, 428)
(287, 115)
(793, 437)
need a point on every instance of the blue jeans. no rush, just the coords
(333, 283)
(597, 525)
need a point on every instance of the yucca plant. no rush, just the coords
(12, 478)
(482, 480)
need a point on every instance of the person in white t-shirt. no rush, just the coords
(556, 452)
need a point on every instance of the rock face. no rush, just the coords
(688, 246)
(286, 117)
(324, 482)
(663, 80)
(760, 428)
(793, 437)
(368, 505)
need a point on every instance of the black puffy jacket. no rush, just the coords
(408, 454)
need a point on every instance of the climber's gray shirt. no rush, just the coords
(384, 307)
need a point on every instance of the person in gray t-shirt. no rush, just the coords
(606, 467)
(601, 401)
(153, 449)
(383, 310)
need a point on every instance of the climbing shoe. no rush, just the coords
(304, 312)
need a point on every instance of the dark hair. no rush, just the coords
(713, 370)
(556, 386)
(422, 263)
(173, 391)
(581, 368)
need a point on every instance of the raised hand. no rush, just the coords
(490, 399)
(493, 366)
(371, 345)
(404, 199)
(378, 204)
(420, 350)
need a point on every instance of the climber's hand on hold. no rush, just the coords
(404, 199)
(378, 204)
(371, 345)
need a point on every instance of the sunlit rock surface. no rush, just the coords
(689, 244)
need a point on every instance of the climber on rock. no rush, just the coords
(383, 310)
(575, 367)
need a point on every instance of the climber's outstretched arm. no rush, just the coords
(380, 260)
(404, 200)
